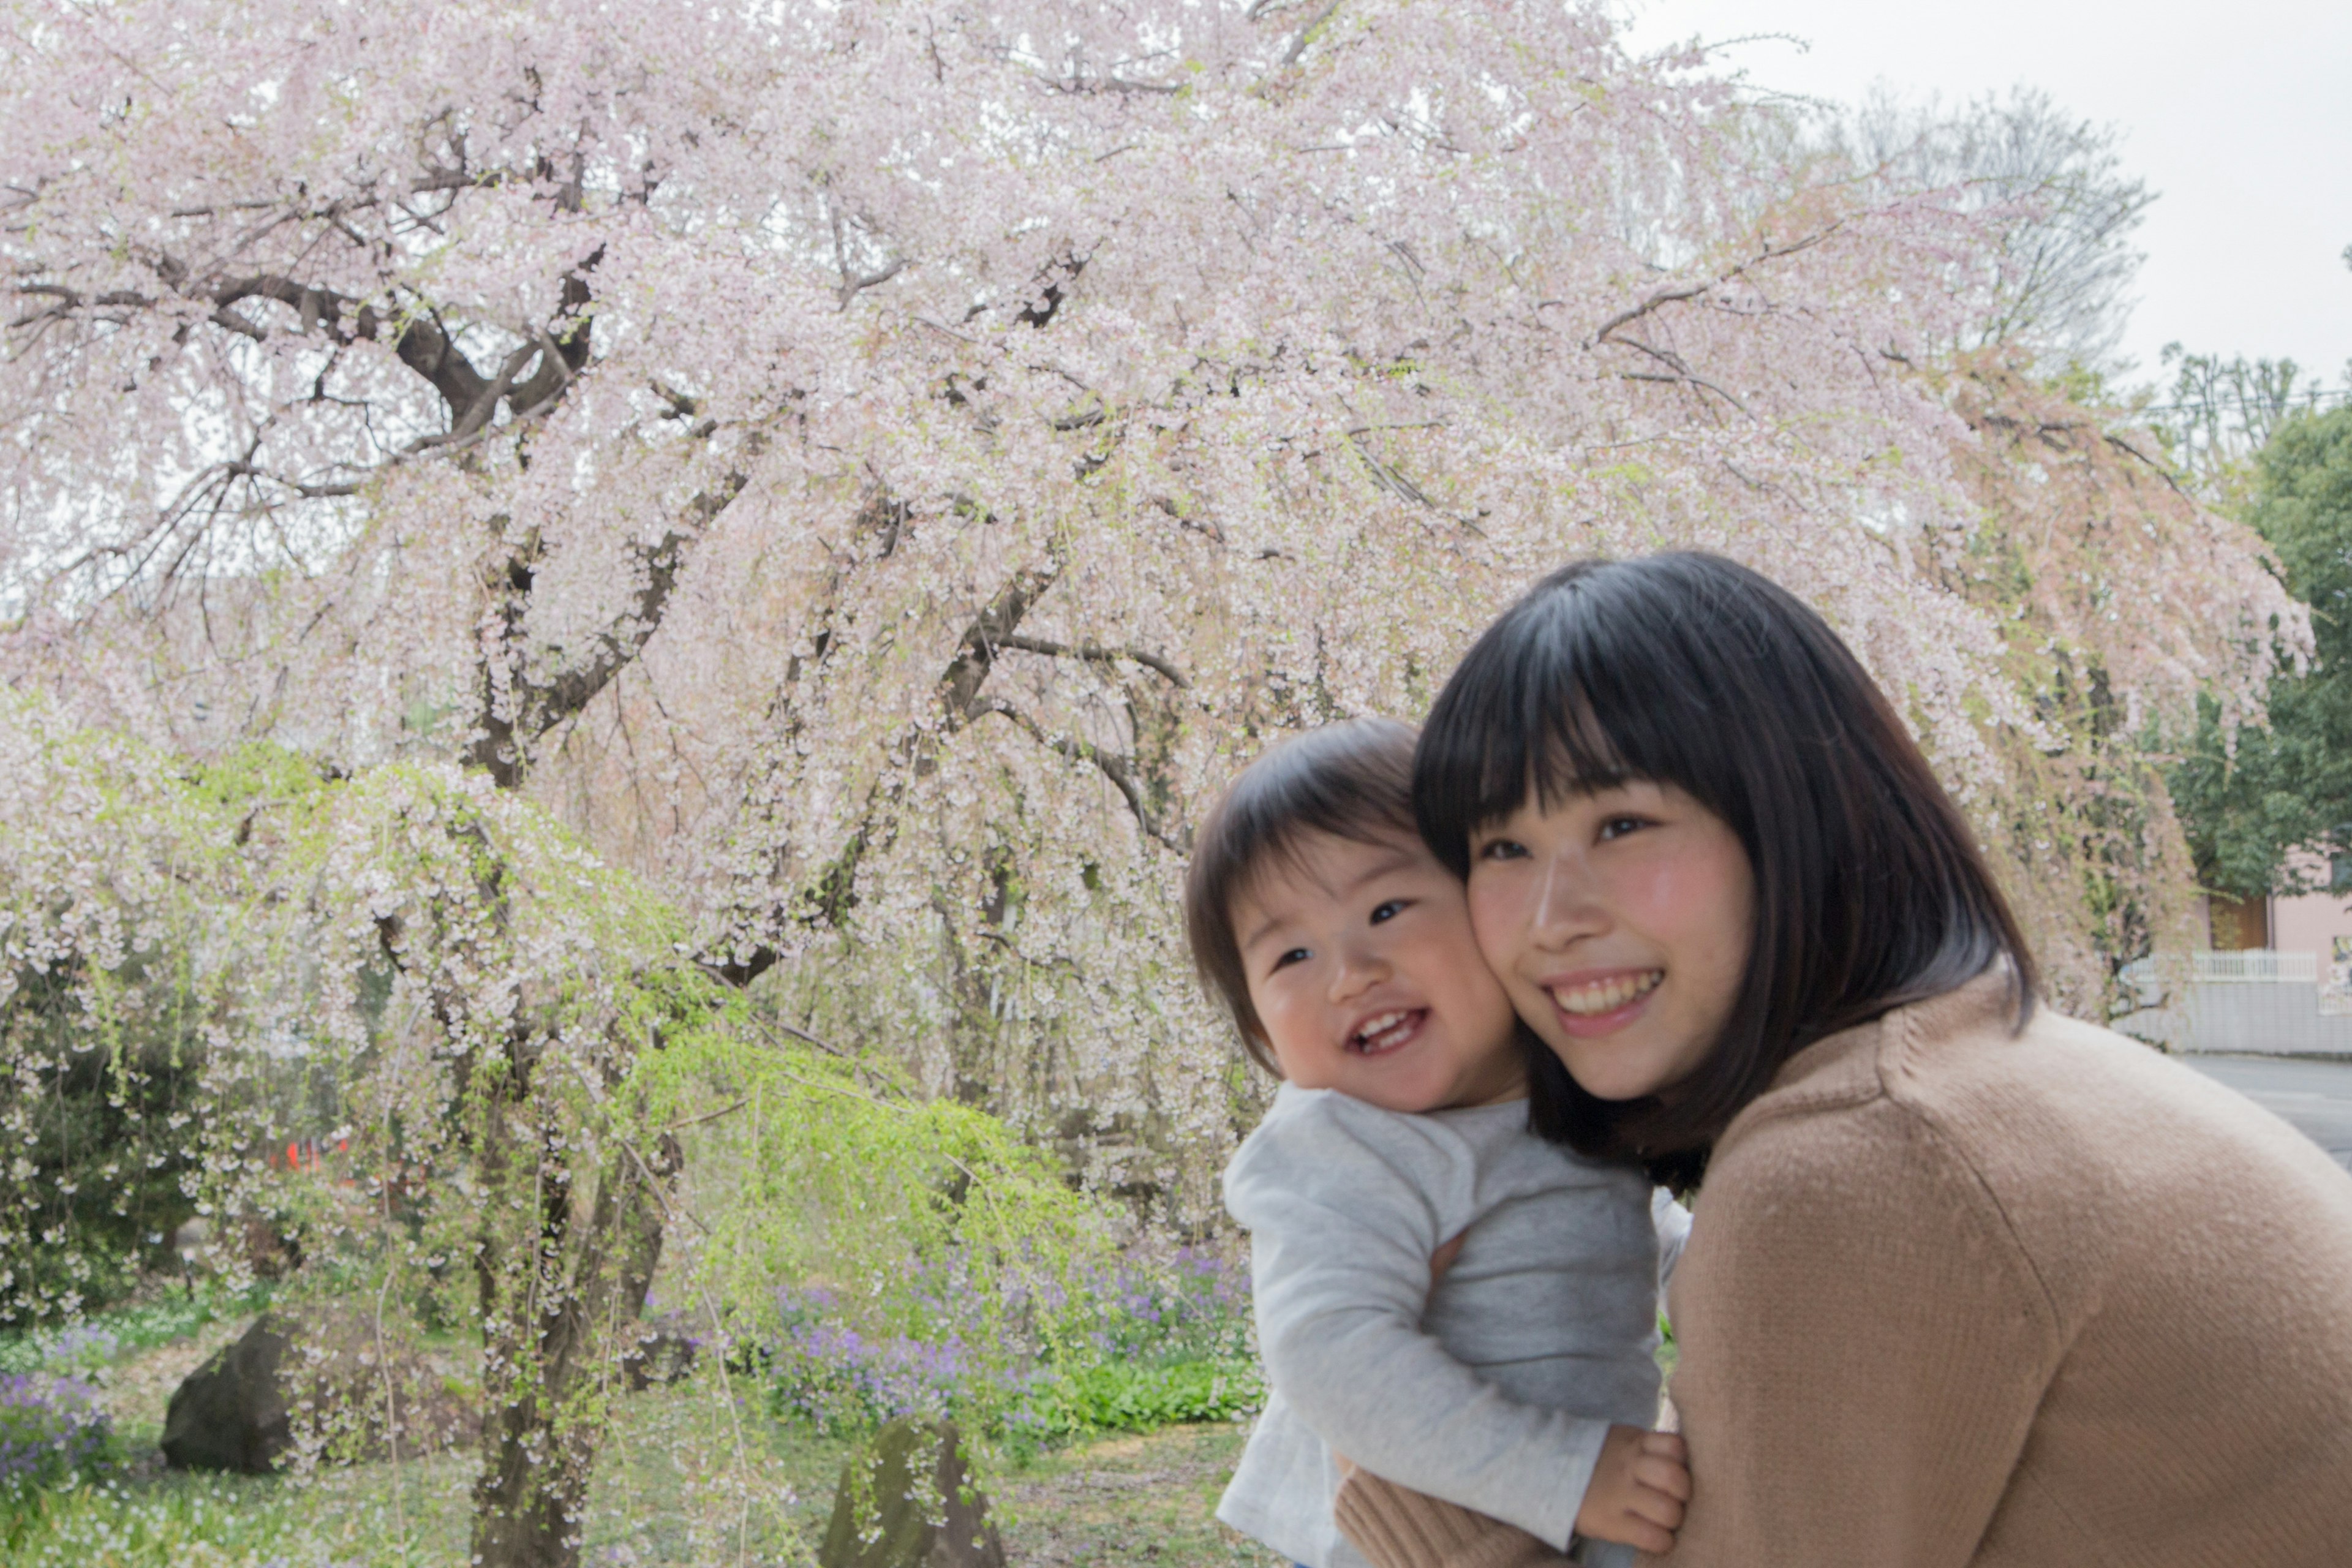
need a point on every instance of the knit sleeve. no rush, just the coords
(1864, 1346)
(1345, 1205)
(1398, 1529)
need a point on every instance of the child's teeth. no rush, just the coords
(1371, 1032)
(1606, 995)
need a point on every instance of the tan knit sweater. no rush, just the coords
(1955, 1297)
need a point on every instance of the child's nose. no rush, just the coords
(1359, 968)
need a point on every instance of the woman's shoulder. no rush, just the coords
(1933, 1060)
(2074, 1142)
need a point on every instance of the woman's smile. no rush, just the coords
(1591, 1004)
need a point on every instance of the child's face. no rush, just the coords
(1364, 972)
(1619, 922)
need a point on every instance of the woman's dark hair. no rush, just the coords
(1352, 780)
(1691, 671)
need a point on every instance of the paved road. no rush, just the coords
(2316, 1096)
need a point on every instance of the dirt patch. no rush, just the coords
(1148, 1500)
(136, 1391)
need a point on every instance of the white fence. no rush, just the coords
(2259, 1001)
(2253, 966)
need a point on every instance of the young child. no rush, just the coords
(1520, 1384)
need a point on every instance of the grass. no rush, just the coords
(688, 1477)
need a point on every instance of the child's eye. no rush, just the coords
(1284, 961)
(1389, 911)
(1618, 827)
(1502, 849)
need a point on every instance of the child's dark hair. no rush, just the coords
(1352, 779)
(1691, 671)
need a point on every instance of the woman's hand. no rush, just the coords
(1640, 1487)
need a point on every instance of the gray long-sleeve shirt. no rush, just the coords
(1492, 1391)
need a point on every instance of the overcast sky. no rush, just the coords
(2239, 115)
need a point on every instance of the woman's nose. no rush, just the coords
(1566, 904)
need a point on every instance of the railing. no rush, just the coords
(2258, 965)
(2250, 966)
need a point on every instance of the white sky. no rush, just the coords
(2239, 115)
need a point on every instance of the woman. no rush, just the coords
(1969, 1283)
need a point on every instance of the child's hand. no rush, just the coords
(1639, 1489)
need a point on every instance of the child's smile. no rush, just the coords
(1386, 1031)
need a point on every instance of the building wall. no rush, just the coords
(2319, 924)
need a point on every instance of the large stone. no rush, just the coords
(229, 1415)
(326, 1378)
(907, 1501)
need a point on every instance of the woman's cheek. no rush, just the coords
(1685, 889)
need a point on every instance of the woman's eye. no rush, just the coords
(1389, 911)
(1618, 827)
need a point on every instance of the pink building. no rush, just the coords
(2276, 978)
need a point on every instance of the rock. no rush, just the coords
(228, 1413)
(321, 1378)
(907, 1501)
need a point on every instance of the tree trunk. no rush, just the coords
(560, 1305)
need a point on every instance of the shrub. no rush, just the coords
(51, 1430)
(1166, 1342)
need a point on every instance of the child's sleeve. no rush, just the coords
(1345, 1203)
(1673, 1223)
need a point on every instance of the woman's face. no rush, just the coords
(1618, 923)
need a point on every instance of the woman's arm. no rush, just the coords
(1399, 1528)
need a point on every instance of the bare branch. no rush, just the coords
(960, 685)
(1666, 297)
(1114, 766)
(1098, 651)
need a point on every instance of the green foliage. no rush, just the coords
(123, 918)
(208, 1522)
(1126, 1396)
(53, 1431)
(880, 1253)
(104, 1338)
(2287, 786)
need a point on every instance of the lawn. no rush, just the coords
(691, 1476)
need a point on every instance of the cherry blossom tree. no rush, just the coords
(873, 471)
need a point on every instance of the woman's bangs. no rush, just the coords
(1605, 721)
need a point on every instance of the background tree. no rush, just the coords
(2057, 277)
(2288, 786)
(2219, 414)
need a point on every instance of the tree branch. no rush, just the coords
(959, 684)
(1098, 652)
(1112, 765)
(1666, 297)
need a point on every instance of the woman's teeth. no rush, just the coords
(1607, 996)
(1388, 1030)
